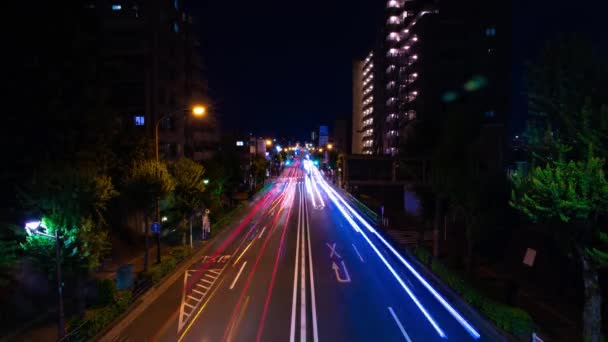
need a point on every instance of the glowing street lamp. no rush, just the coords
(330, 146)
(198, 111)
(39, 228)
(268, 142)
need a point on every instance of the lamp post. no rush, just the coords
(38, 228)
(198, 111)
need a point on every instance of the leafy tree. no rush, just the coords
(259, 167)
(458, 176)
(147, 180)
(573, 197)
(72, 201)
(566, 96)
(189, 191)
(568, 143)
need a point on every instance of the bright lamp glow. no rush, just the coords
(199, 110)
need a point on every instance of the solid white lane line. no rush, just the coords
(356, 250)
(313, 299)
(405, 335)
(303, 289)
(292, 331)
(238, 275)
(262, 232)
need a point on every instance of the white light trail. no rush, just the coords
(335, 197)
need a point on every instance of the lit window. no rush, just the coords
(490, 32)
(404, 15)
(393, 4)
(489, 114)
(393, 36)
(176, 4)
(139, 120)
(116, 7)
(393, 20)
(175, 27)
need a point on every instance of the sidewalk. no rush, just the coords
(44, 327)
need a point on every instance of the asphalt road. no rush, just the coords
(303, 266)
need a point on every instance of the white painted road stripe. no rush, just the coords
(303, 289)
(292, 332)
(313, 299)
(357, 251)
(407, 337)
(238, 275)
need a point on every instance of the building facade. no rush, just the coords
(150, 62)
(430, 56)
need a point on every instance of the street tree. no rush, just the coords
(146, 181)
(470, 189)
(567, 136)
(259, 168)
(188, 196)
(71, 200)
(573, 197)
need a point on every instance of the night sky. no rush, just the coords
(283, 68)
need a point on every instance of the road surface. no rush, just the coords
(304, 266)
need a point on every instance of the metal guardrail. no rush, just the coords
(370, 215)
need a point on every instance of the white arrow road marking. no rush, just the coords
(332, 248)
(238, 275)
(357, 251)
(405, 335)
(336, 269)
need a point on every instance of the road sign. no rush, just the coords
(155, 227)
(529, 257)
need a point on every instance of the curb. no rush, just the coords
(495, 333)
(120, 323)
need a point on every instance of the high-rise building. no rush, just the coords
(152, 69)
(368, 104)
(357, 130)
(430, 55)
(323, 135)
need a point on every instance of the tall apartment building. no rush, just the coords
(356, 119)
(430, 55)
(368, 104)
(151, 68)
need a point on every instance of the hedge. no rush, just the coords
(110, 304)
(511, 319)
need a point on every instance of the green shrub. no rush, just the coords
(158, 271)
(181, 252)
(513, 320)
(99, 317)
(106, 291)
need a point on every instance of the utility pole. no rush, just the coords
(61, 323)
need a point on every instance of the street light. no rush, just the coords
(268, 142)
(330, 146)
(197, 110)
(39, 228)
